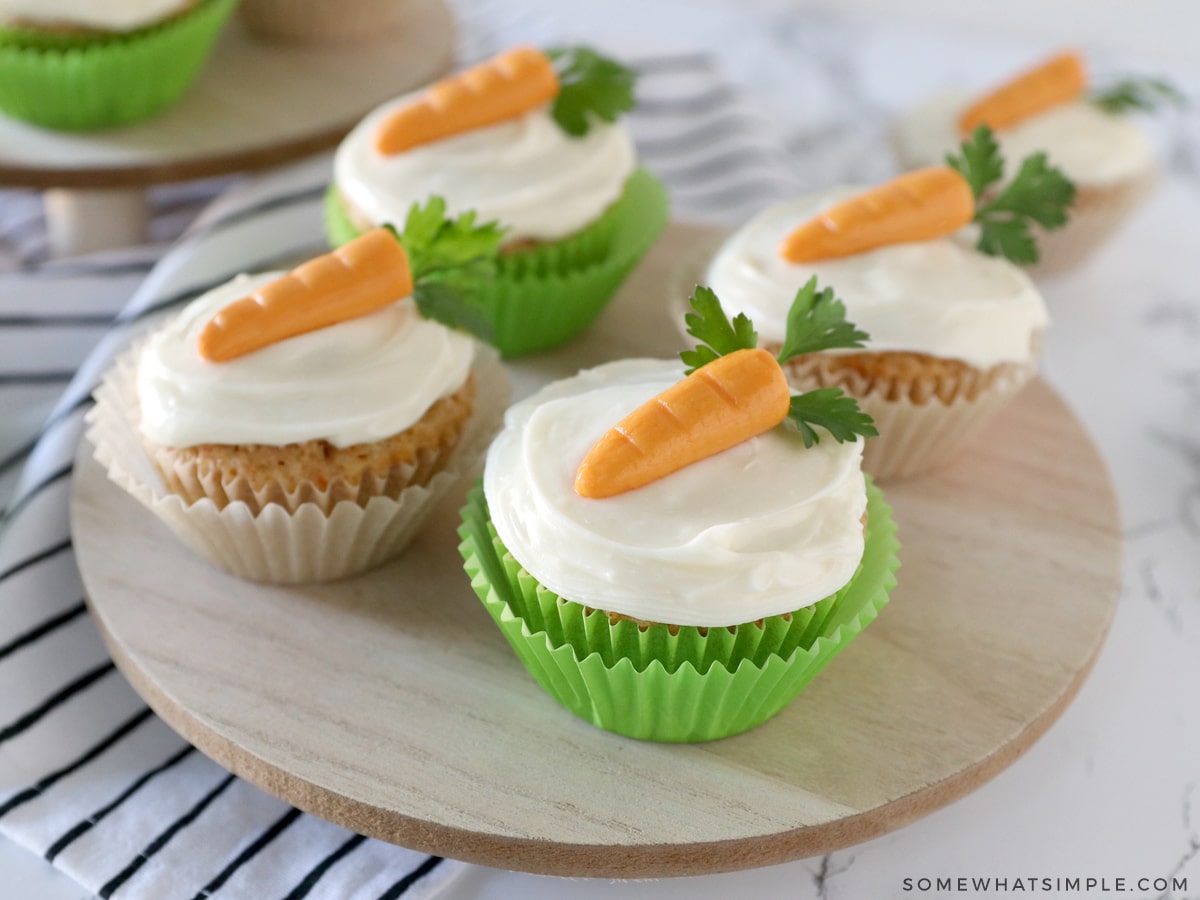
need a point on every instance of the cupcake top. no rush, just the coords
(1091, 146)
(346, 348)
(515, 139)
(100, 15)
(355, 382)
(939, 297)
(764, 527)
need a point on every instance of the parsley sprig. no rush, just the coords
(1039, 193)
(448, 258)
(816, 321)
(591, 87)
(1145, 94)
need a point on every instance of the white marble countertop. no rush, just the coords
(1113, 790)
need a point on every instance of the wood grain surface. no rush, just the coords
(256, 104)
(391, 704)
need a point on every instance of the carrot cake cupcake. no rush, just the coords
(298, 426)
(954, 330)
(1055, 109)
(530, 139)
(87, 64)
(659, 550)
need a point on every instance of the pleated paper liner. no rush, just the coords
(924, 420)
(76, 84)
(549, 293)
(279, 546)
(672, 683)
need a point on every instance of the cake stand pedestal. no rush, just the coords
(256, 104)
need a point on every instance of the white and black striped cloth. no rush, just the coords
(89, 778)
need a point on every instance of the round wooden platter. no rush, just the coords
(256, 104)
(390, 703)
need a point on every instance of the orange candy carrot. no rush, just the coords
(1058, 80)
(499, 89)
(367, 274)
(728, 401)
(916, 206)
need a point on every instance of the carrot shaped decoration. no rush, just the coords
(1056, 81)
(501, 88)
(367, 274)
(917, 206)
(730, 400)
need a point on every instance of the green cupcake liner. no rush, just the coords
(74, 83)
(544, 296)
(668, 683)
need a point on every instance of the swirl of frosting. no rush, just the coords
(1091, 146)
(359, 381)
(763, 528)
(102, 15)
(937, 297)
(526, 173)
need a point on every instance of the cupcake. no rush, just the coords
(1085, 130)
(682, 574)
(954, 331)
(299, 426)
(80, 65)
(530, 139)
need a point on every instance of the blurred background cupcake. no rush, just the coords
(1053, 108)
(533, 141)
(80, 64)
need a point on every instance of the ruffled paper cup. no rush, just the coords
(323, 540)
(924, 419)
(75, 83)
(679, 684)
(548, 294)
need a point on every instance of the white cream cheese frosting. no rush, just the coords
(1091, 146)
(101, 15)
(527, 173)
(355, 382)
(763, 528)
(939, 297)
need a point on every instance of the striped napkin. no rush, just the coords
(90, 778)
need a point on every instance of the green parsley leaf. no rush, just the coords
(817, 321)
(1146, 94)
(709, 325)
(1038, 193)
(449, 258)
(831, 409)
(1010, 238)
(980, 163)
(453, 307)
(591, 87)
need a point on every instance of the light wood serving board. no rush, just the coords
(391, 704)
(255, 104)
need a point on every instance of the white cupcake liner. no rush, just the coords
(278, 546)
